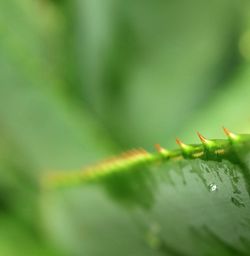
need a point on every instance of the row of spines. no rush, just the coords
(138, 156)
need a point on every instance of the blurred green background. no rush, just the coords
(84, 79)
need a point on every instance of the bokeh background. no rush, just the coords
(84, 79)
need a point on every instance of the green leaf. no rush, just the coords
(184, 204)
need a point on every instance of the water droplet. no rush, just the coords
(212, 187)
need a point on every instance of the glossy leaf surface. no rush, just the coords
(173, 207)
